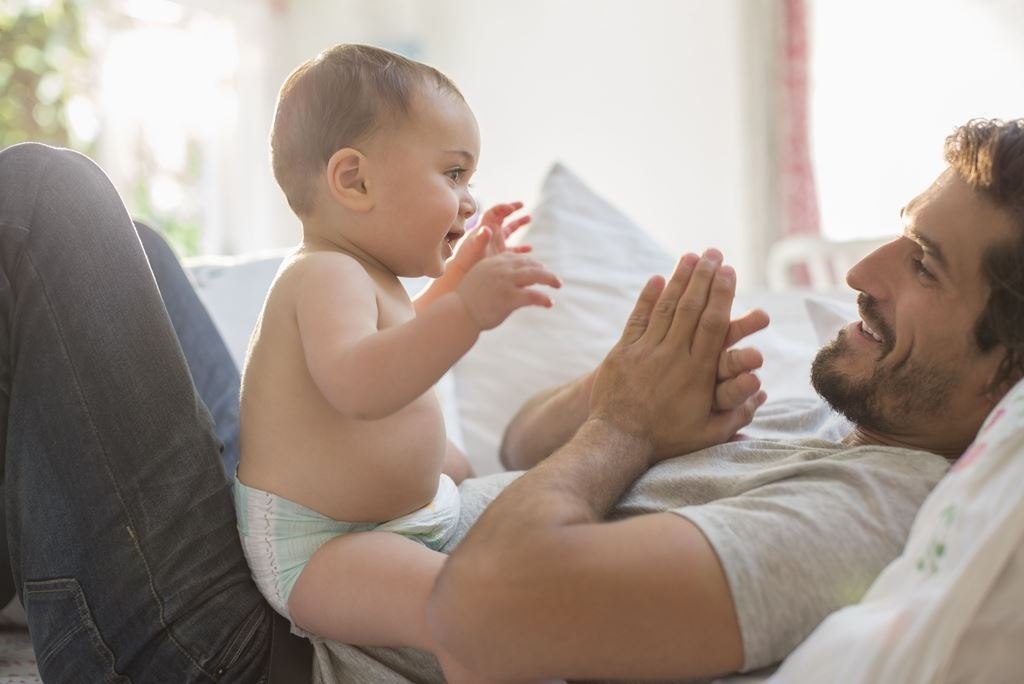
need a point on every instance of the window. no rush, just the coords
(890, 80)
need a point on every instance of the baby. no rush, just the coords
(345, 487)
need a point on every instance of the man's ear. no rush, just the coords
(346, 179)
(995, 389)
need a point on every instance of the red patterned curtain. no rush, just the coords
(799, 199)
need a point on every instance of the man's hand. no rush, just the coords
(658, 383)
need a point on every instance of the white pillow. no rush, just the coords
(829, 315)
(603, 259)
(233, 290)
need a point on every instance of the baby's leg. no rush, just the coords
(371, 589)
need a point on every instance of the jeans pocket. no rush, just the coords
(67, 643)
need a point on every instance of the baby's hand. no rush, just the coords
(498, 285)
(476, 245)
(494, 218)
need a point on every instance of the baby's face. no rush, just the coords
(419, 176)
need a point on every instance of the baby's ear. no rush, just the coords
(346, 179)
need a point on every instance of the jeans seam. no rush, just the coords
(242, 638)
(70, 587)
(48, 160)
(25, 256)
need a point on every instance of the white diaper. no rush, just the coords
(279, 536)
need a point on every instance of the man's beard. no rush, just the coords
(893, 395)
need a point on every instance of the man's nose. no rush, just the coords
(874, 273)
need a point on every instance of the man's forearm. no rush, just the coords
(545, 423)
(579, 483)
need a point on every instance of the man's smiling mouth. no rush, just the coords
(869, 332)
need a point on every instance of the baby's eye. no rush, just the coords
(455, 174)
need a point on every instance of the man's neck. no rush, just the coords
(861, 436)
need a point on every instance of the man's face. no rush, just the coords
(910, 372)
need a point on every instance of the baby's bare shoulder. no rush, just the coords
(321, 263)
(322, 271)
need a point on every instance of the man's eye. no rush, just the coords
(922, 270)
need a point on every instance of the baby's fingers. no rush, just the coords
(731, 393)
(747, 324)
(535, 275)
(728, 423)
(533, 297)
(497, 213)
(735, 361)
(515, 225)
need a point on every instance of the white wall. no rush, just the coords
(891, 81)
(645, 100)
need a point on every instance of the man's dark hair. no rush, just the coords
(337, 100)
(989, 155)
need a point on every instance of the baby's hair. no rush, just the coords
(336, 100)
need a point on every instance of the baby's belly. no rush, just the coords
(359, 471)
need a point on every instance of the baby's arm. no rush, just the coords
(366, 373)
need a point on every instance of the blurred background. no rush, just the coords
(727, 122)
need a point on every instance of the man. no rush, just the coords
(755, 544)
(120, 523)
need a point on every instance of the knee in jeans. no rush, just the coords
(39, 153)
(36, 155)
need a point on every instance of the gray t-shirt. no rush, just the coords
(801, 523)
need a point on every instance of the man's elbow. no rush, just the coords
(507, 451)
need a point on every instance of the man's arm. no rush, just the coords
(541, 587)
(544, 423)
(549, 419)
(456, 465)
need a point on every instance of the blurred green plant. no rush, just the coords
(179, 227)
(43, 65)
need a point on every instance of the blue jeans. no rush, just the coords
(119, 516)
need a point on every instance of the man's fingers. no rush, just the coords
(665, 309)
(731, 393)
(703, 316)
(735, 361)
(639, 318)
(747, 324)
